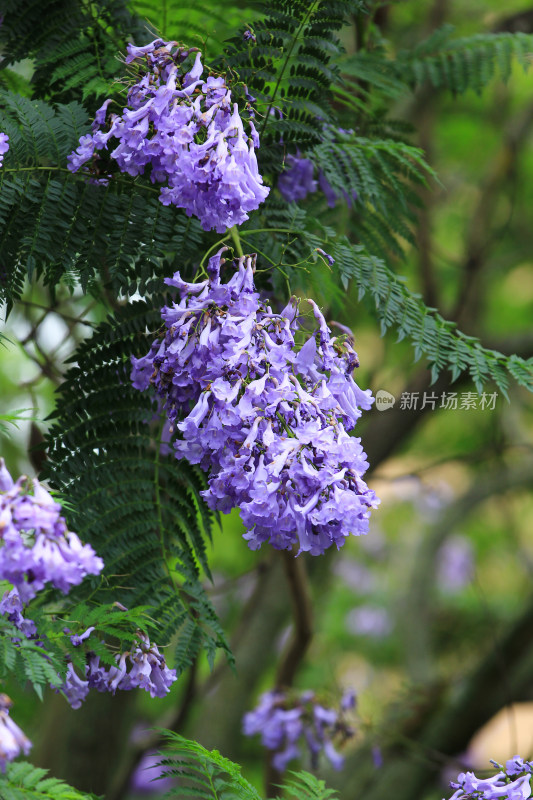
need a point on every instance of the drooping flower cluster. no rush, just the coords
(12, 740)
(4, 146)
(11, 607)
(268, 421)
(512, 782)
(285, 721)
(296, 181)
(36, 546)
(147, 670)
(188, 131)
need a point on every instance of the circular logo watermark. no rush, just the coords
(384, 400)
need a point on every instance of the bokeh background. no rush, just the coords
(430, 617)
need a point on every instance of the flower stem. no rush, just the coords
(234, 233)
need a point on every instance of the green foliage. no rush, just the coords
(290, 68)
(467, 63)
(455, 65)
(28, 660)
(14, 417)
(42, 660)
(304, 786)
(387, 295)
(72, 45)
(140, 508)
(203, 774)
(56, 225)
(203, 24)
(443, 346)
(383, 175)
(207, 775)
(23, 781)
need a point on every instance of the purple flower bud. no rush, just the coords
(77, 640)
(325, 255)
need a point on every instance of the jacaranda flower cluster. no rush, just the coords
(512, 782)
(36, 546)
(285, 721)
(187, 130)
(11, 607)
(296, 181)
(269, 416)
(147, 670)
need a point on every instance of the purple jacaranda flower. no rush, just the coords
(77, 639)
(286, 721)
(187, 133)
(516, 765)
(147, 670)
(12, 740)
(36, 546)
(332, 196)
(4, 146)
(73, 687)
(249, 35)
(296, 181)
(268, 421)
(354, 574)
(377, 756)
(455, 564)
(11, 607)
(368, 620)
(469, 787)
(348, 699)
(326, 256)
(145, 780)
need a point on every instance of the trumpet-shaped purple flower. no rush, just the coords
(11, 606)
(510, 783)
(146, 779)
(36, 546)
(12, 740)
(4, 146)
(285, 721)
(147, 670)
(267, 415)
(74, 688)
(187, 132)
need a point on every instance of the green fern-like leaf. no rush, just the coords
(137, 506)
(23, 781)
(379, 177)
(56, 224)
(467, 63)
(207, 775)
(205, 25)
(432, 337)
(202, 774)
(304, 786)
(73, 46)
(290, 68)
